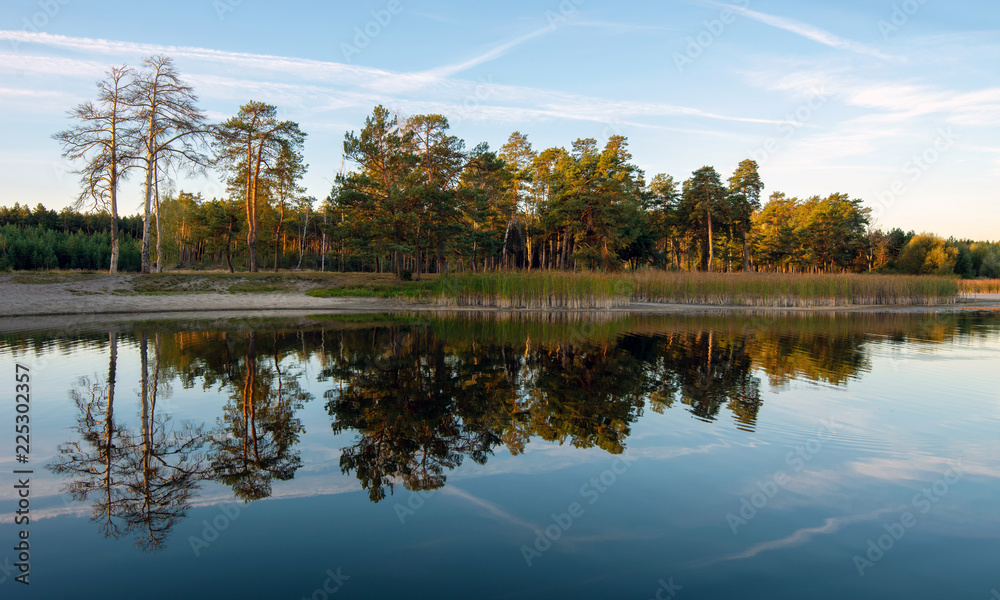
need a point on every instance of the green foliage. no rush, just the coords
(35, 247)
(417, 201)
(927, 254)
(815, 235)
(263, 157)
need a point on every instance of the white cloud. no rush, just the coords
(318, 86)
(809, 32)
(895, 102)
(801, 536)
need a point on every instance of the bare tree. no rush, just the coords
(100, 139)
(141, 482)
(169, 126)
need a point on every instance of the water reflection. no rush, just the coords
(418, 396)
(141, 482)
(254, 442)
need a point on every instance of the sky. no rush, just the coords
(893, 102)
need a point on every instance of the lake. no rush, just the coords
(771, 455)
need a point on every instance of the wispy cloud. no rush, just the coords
(491, 508)
(807, 31)
(493, 54)
(294, 67)
(886, 100)
(801, 536)
(319, 86)
(619, 28)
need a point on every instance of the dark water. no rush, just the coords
(388, 456)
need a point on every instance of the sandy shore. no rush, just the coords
(113, 295)
(105, 295)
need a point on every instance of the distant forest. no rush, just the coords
(417, 200)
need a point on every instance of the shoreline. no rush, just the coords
(28, 305)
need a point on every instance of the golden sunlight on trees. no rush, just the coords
(415, 199)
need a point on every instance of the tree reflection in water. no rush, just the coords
(142, 481)
(255, 440)
(422, 403)
(419, 396)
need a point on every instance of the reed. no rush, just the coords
(557, 290)
(536, 290)
(793, 291)
(981, 286)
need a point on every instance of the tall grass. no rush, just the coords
(536, 290)
(981, 286)
(597, 290)
(793, 291)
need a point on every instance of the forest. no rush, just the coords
(416, 199)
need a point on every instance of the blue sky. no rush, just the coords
(895, 102)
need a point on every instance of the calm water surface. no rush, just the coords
(393, 456)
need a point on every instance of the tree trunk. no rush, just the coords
(146, 210)
(229, 244)
(147, 200)
(277, 234)
(418, 265)
(711, 245)
(114, 230)
(159, 236)
(253, 178)
(746, 253)
(302, 241)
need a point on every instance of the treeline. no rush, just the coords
(68, 220)
(207, 234)
(40, 238)
(34, 247)
(417, 200)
